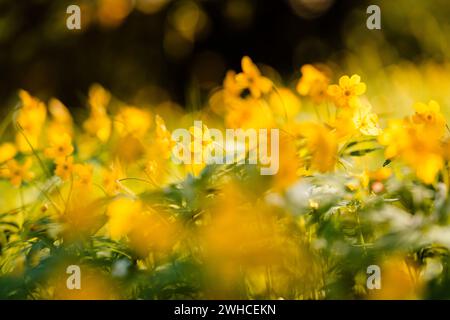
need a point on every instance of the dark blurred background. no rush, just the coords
(155, 50)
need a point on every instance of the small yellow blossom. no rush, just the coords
(122, 213)
(84, 173)
(366, 121)
(111, 178)
(99, 123)
(7, 151)
(313, 83)
(64, 167)
(60, 147)
(150, 168)
(230, 85)
(346, 93)
(99, 99)
(201, 141)
(164, 140)
(321, 144)
(249, 114)
(420, 148)
(62, 121)
(250, 78)
(430, 116)
(132, 120)
(284, 103)
(380, 174)
(31, 119)
(17, 173)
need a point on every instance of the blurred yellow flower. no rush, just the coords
(18, 173)
(163, 138)
(201, 141)
(249, 114)
(84, 174)
(313, 83)
(7, 151)
(64, 167)
(99, 99)
(98, 124)
(60, 147)
(399, 281)
(250, 78)
(122, 213)
(95, 284)
(132, 120)
(420, 148)
(284, 103)
(380, 174)
(30, 118)
(429, 115)
(62, 121)
(346, 93)
(366, 121)
(321, 144)
(111, 178)
(144, 228)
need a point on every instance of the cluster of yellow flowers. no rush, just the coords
(122, 151)
(247, 100)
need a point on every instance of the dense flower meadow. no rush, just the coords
(98, 189)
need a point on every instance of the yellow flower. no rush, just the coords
(164, 140)
(64, 167)
(420, 148)
(346, 93)
(98, 100)
(144, 228)
(150, 168)
(430, 116)
(230, 85)
(400, 281)
(98, 124)
(131, 120)
(252, 80)
(321, 144)
(284, 103)
(99, 127)
(201, 140)
(17, 173)
(59, 112)
(313, 83)
(380, 174)
(61, 119)
(30, 118)
(365, 121)
(394, 137)
(122, 213)
(84, 173)
(60, 147)
(249, 114)
(111, 178)
(7, 151)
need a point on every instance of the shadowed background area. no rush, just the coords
(157, 49)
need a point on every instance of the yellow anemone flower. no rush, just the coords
(430, 116)
(250, 78)
(18, 173)
(60, 147)
(132, 120)
(346, 93)
(313, 83)
(64, 167)
(7, 151)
